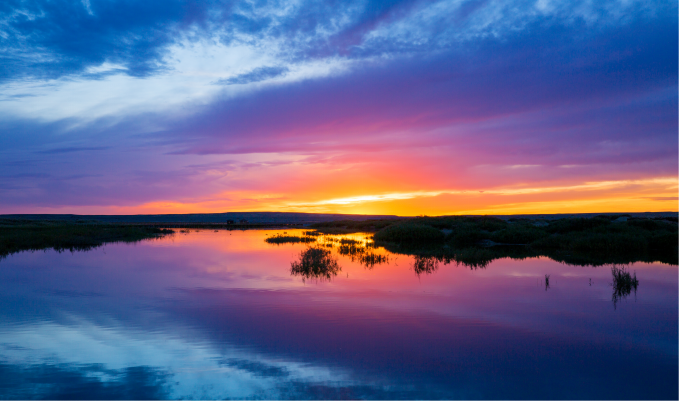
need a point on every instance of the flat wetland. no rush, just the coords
(422, 308)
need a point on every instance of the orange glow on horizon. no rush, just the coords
(649, 195)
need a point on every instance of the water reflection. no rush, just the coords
(425, 264)
(360, 251)
(207, 315)
(623, 284)
(317, 263)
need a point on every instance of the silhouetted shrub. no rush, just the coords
(466, 236)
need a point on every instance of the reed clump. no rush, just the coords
(317, 263)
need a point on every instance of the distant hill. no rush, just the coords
(251, 217)
(278, 217)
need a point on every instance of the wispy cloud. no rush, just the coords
(256, 75)
(334, 107)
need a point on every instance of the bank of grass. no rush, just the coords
(478, 240)
(21, 235)
(410, 233)
(351, 226)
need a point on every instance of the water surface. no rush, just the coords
(219, 315)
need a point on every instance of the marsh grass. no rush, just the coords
(409, 233)
(350, 226)
(359, 252)
(289, 239)
(592, 241)
(315, 263)
(18, 235)
(349, 241)
(478, 240)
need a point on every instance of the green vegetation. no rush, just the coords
(21, 235)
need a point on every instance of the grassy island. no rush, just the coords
(27, 235)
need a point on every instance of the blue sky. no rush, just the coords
(355, 106)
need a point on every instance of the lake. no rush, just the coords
(212, 315)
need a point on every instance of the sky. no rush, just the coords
(377, 107)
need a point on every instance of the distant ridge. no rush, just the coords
(251, 217)
(280, 217)
(647, 215)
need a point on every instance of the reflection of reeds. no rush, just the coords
(315, 262)
(425, 264)
(370, 259)
(623, 283)
(352, 250)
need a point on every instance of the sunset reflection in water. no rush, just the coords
(223, 314)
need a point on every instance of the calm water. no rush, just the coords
(219, 315)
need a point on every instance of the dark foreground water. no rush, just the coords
(219, 315)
